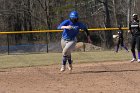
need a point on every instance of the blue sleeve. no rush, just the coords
(83, 26)
(64, 23)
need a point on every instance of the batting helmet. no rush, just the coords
(74, 14)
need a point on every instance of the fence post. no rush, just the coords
(47, 42)
(84, 47)
(47, 48)
(8, 44)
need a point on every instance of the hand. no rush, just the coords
(129, 31)
(115, 36)
(69, 27)
(89, 40)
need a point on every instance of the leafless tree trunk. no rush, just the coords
(129, 3)
(107, 34)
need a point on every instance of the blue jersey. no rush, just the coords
(72, 33)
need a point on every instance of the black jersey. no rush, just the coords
(134, 27)
(120, 34)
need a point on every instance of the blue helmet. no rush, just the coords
(74, 14)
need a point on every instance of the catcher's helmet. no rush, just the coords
(74, 14)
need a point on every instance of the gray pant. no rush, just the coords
(68, 46)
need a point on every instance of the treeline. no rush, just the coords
(19, 15)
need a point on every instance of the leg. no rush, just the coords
(70, 62)
(138, 47)
(64, 57)
(69, 59)
(122, 45)
(71, 45)
(63, 44)
(71, 48)
(117, 46)
(133, 43)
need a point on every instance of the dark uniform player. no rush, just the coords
(120, 40)
(135, 32)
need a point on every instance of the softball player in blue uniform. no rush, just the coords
(135, 31)
(70, 28)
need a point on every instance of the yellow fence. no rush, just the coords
(45, 31)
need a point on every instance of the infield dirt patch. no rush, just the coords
(101, 77)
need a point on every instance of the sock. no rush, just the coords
(117, 47)
(134, 54)
(69, 60)
(138, 55)
(64, 60)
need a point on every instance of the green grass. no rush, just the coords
(8, 61)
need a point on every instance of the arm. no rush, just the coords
(63, 25)
(66, 27)
(88, 36)
(84, 28)
(129, 31)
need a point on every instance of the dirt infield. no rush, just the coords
(101, 77)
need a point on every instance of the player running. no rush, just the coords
(70, 28)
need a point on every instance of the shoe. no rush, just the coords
(70, 67)
(134, 59)
(127, 50)
(63, 67)
(138, 60)
(116, 51)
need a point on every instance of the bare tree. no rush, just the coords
(17, 15)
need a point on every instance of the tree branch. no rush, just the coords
(100, 1)
(41, 4)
